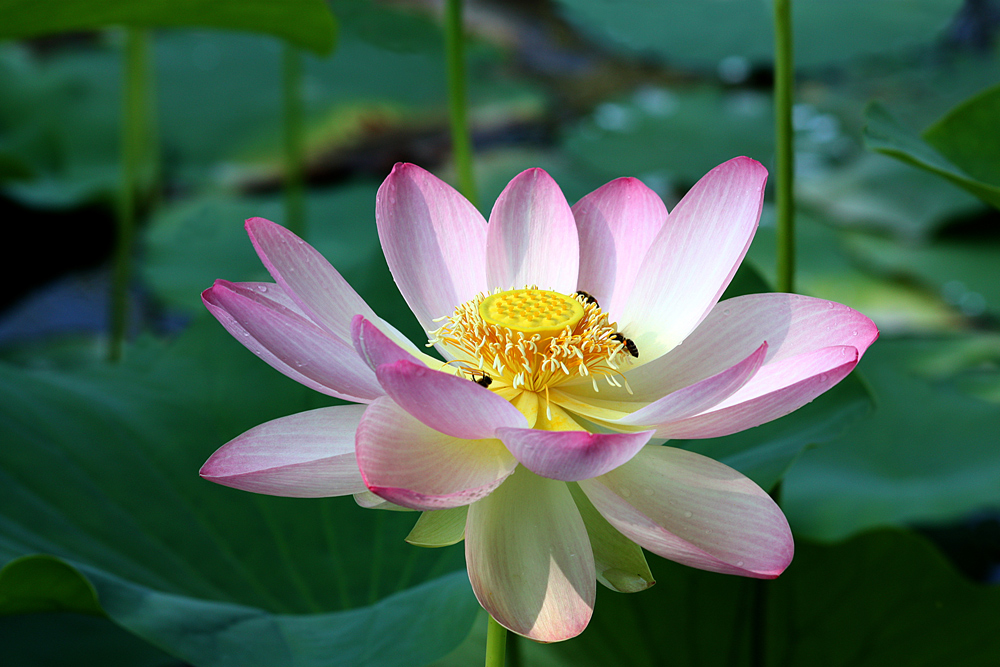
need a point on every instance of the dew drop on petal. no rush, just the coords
(624, 492)
(687, 515)
(739, 563)
(648, 492)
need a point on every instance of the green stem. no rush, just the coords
(496, 643)
(461, 135)
(295, 192)
(784, 87)
(135, 140)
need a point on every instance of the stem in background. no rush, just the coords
(461, 135)
(135, 148)
(295, 192)
(496, 643)
(784, 86)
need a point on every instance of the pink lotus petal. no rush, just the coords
(412, 465)
(617, 224)
(699, 396)
(307, 455)
(307, 277)
(790, 324)
(290, 343)
(374, 347)
(447, 403)
(529, 558)
(696, 511)
(694, 256)
(434, 242)
(532, 237)
(776, 390)
(571, 455)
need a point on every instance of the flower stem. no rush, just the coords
(784, 86)
(294, 141)
(496, 643)
(461, 135)
(135, 145)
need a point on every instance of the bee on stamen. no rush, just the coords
(589, 298)
(627, 342)
(484, 381)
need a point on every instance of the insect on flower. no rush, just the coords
(533, 304)
(628, 343)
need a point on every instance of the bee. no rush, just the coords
(589, 298)
(627, 342)
(484, 381)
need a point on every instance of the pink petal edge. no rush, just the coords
(571, 455)
(305, 455)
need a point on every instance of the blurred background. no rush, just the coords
(897, 148)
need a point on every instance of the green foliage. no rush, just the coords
(882, 598)
(954, 139)
(307, 23)
(676, 135)
(927, 454)
(699, 33)
(209, 574)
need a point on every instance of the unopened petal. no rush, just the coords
(290, 343)
(617, 224)
(415, 466)
(531, 238)
(434, 242)
(571, 455)
(696, 511)
(529, 558)
(695, 255)
(447, 403)
(306, 455)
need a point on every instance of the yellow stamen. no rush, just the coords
(532, 339)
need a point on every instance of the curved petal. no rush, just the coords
(775, 390)
(307, 455)
(375, 348)
(307, 277)
(791, 324)
(617, 223)
(695, 255)
(532, 237)
(447, 403)
(699, 396)
(412, 465)
(696, 511)
(291, 344)
(571, 455)
(529, 558)
(434, 242)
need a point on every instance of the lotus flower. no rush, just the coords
(575, 342)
